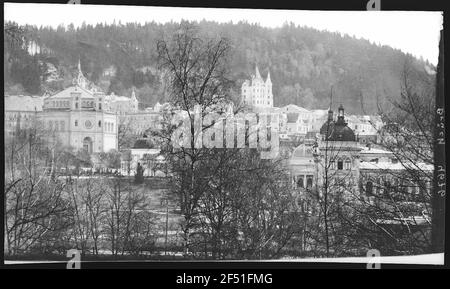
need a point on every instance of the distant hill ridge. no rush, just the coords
(304, 63)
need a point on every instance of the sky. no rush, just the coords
(412, 32)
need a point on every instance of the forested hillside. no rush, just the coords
(304, 63)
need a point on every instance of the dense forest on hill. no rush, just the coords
(304, 63)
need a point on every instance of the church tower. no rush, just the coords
(134, 101)
(81, 80)
(257, 93)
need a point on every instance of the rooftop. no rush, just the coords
(66, 93)
(394, 166)
(23, 103)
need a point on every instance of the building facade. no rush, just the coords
(20, 113)
(80, 117)
(256, 92)
(338, 161)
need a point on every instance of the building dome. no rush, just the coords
(342, 133)
(337, 131)
(327, 126)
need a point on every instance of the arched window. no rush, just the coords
(99, 123)
(369, 188)
(300, 182)
(309, 182)
(340, 164)
(348, 164)
(87, 144)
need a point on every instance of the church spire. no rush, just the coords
(133, 94)
(268, 80)
(81, 81)
(257, 74)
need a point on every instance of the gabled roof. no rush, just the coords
(66, 93)
(23, 103)
(389, 166)
(113, 98)
(294, 108)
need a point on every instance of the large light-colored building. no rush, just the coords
(256, 92)
(81, 118)
(20, 112)
(122, 104)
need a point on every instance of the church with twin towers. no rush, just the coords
(257, 92)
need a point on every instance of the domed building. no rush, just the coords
(339, 130)
(338, 152)
(335, 155)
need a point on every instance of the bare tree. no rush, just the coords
(196, 68)
(35, 201)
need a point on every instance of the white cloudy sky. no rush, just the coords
(413, 32)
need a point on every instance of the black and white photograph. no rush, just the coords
(173, 134)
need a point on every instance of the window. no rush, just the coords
(309, 182)
(76, 122)
(300, 182)
(76, 105)
(99, 123)
(99, 106)
(340, 165)
(348, 164)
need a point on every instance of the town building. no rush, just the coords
(80, 117)
(338, 161)
(298, 119)
(20, 113)
(256, 92)
(148, 157)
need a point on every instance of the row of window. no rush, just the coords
(341, 164)
(60, 103)
(383, 183)
(56, 125)
(257, 102)
(15, 117)
(303, 182)
(87, 103)
(109, 127)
